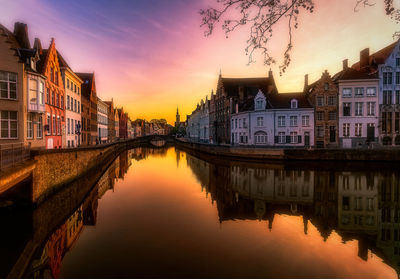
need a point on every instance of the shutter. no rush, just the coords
(287, 139)
(276, 139)
(299, 139)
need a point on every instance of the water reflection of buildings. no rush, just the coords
(49, 258)
(358, 205)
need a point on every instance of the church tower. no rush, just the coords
(178, 118)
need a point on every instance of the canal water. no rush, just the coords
(164, 213)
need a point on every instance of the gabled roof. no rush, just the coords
(378, 57)
(353, 74)
(250, 85)
(61, 61)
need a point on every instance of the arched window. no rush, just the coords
(260, 137)
(293, 104)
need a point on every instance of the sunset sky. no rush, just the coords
(151, 55)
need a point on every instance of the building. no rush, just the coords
(111, 120)
(49, 66)
(284, 120)
(323, 95)
(73, 118)
(22, 100)
(235, 90)
(358, 107)
(102, 121)
(177, 118)
(116, 123)
(89, 108)
(386, 62)
(204, 120)
(123, 124)
(193, 125)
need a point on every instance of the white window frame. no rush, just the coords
(9, 82)
(347, 92)
(9, 121)
(305, 120)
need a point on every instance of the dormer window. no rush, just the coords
(293, 104)
(259, 104)
(259, 101)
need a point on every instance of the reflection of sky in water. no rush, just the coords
(172, 214)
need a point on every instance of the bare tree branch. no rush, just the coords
(263, 15)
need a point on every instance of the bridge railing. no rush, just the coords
(12, 154)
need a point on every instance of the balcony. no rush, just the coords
(34, 106)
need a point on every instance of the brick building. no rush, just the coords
(89, 108)
(49, 66)
(323, 95)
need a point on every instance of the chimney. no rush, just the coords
(21, 34)
(305, 81)
(364, 58)
(38, 45)
(241, 93)
(345, 64)
(270, 75)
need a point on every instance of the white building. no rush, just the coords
(193, 125)
(284, 120)
(204, 120)
(72, 86)
(358, 107)
(102, 121)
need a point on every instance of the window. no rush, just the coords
(293, 137)
(236, 124)
(387, 97)
(75, 105)
(79, 90)
(62, 102)
(370, 108)
(358, 129)
(320, 101)
(320, 131)
(293, 121)
(346, 109)
(397, 61)
(359, 109)
(75, 88)
(397, 77)
(68, 83)
(331, 100)
(293, 104)
(240, 122)
(261, 138)
(8, 85)
(56, 77)
(33, 91)
(68, 126)
(260, 121)
(48, 96)
(281, 137)
(41, 93)
(320, 115)
(332, 115)
(72, 103)
(358, 92)
(346, 129)
(305, 120)
(29, 126)
(397, 97)
(52, 74)
(39, 132)
(371, 92)
(53, 98)
(281, 121)
(8, 124)
(387, 78)
(58, 125)
(326, 86)
(244, 119)
(259, 104)
(54, 126)
(68, 102)
(48, 124)
(347, 92)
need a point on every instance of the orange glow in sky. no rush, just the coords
(151, 56)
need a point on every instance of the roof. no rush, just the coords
(378, 57)
(41, 62)
(278, 101)
(61, 61)
(251, 86)
(353, 74)
(86, 87)
(282, 100)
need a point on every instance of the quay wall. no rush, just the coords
(262, 154)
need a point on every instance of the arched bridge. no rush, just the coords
(155, 140)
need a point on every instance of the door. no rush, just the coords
(307, 139)
(370, 133)
(332, 134)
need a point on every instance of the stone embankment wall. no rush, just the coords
(252, 153)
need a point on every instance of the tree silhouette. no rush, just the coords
(263, 15)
